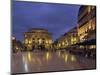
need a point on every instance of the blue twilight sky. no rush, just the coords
(56, 18)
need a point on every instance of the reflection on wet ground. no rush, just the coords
(49, 61)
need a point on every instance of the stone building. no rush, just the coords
(38, 38)
(68, 39)
(17, 46)
(87, 23)
(87, 30)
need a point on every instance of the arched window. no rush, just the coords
(40, 41)
(26, 41)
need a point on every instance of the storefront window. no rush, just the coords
(93, 47)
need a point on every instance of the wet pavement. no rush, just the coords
(24, 62)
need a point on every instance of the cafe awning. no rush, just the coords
(88, 42)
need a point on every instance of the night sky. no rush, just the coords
(56, 18)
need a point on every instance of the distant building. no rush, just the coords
(87, 23)
(13, 40)
(16, 45)
(68, 39)
(37, 38)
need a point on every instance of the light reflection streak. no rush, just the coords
(73, 58)
(26, 67)
(48, 56)
(34, 59)
(29, 57)
(25, 63)
(59, 53)
(63, 56)
(66, 58)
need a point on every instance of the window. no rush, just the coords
(50, 41)
(86, 30)
(33, 39)
(89, 9)
(43, 39)
(63, 43)
(40, 41)
(47, 41)
(30, 41)
(26, 41)
(93, 27)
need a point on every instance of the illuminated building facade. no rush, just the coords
(87, 30)
(68, 39)
(86, 23)
(37, 38)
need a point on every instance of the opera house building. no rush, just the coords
(37, 38)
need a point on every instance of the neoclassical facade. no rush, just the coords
(38, 38)
(86, 23)
(68, 39)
